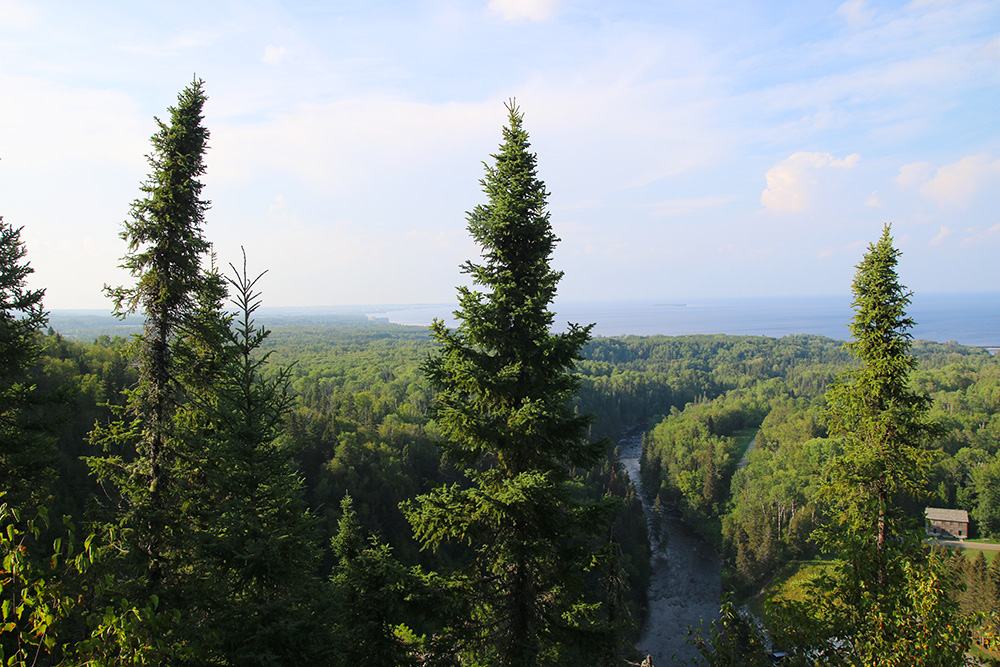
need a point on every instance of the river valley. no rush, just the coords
(684, 586)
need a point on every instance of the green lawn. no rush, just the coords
(786, 584)
(971, 552)
(743, 437)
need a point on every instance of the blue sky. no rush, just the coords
(717, 148)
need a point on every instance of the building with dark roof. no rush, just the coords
(947, 524)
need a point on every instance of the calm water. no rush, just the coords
(969, 319)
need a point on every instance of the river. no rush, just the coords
(684, 586)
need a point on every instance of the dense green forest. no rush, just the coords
(210, 491)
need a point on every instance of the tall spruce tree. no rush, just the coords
(886, 602)
(504, 383)
(27, 458)
(148, 467)
(255, 551)
(27, 454)
(883, 423)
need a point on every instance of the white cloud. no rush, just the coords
(280, 204)
(856, 12)
(534, 10)
(976, 237)
(273, 54)
(339, 146)
(873, 200)
(957, 183)
(941, 235)
(791, 183)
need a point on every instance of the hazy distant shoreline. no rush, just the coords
(969, 319)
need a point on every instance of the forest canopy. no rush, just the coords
(206, 490)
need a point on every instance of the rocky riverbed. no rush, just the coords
(684, 587)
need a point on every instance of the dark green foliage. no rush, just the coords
(165, 253)
(633, 380)
(154, 511)
(732, 641)
(27, 458)
(369, 591)
(503, 405)
(255, 549)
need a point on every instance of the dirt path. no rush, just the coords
(684, 587)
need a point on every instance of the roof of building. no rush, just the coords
(938, 514)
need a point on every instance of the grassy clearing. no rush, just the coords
(743, 438)
(971, 552)
(787, 584)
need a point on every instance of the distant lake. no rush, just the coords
(969, 319)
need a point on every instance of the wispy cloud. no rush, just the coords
(656, 126)
(991, 51)
(172, 45)
(977, 237)
(856, 12)
(953, 185)
(944, 233)
(914, 173)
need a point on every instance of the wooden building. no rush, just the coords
(947, 524)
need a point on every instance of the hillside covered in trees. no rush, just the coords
(213, 492)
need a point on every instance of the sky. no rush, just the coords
(718, 148)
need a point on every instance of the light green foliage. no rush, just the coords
(885, 602)
(47, 615)
(985, 480)
(882, 421)
(980, 599)
(857, 626)
(33, 600)
(692, 454)
(631, 380)
(772, 510)
(503, 406)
